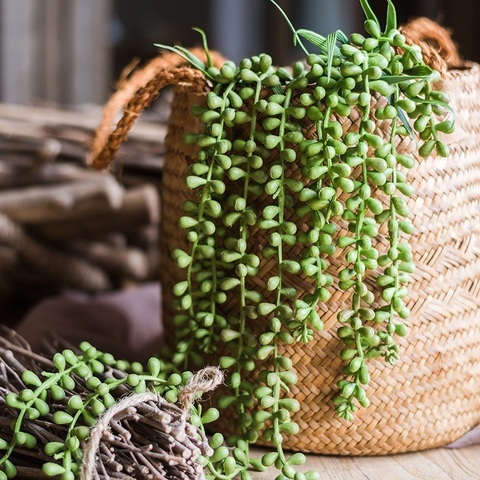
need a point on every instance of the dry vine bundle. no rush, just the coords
(86, 415)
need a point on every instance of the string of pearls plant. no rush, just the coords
(258, 169)
(255, 120)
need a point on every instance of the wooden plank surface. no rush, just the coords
(438, 464)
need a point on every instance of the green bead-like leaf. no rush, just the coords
(98, 407)
(154, 366)
(9, 469)
(228, 335)
(291, 266)
(269, 459)
(70, 357)
(30, 378)
(291, 404)
(227, 362)
(59, 361)
(57, 392)
(211, 415)
(264, 352)
(42, 406)
(53, 469)
(32, 413)
(51, 448)
(195, 182)
(266, 308)
(62, 418)
(13, 401)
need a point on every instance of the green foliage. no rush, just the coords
(339, 173)
(52, 397)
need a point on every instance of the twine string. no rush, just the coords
(203, 381)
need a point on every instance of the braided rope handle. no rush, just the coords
(438, 48)
(136, 93)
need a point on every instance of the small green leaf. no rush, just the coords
(154, 366)
(291, 266)
(229, 283)
(70, 356)
(25, 439)
(9, 469)
(187, 56)
(180, 288)
(331, 49)
(32, 413)
(53, 469)
(211, 415)
(98, 407)
(269, 458)
(62, 418)
(13, 401)
(403, 118)
(205, 46)
(369, 13)
(227, 335)
(58, 393)
(266, 308)
(419, 71)
(221, 453)
(30, 378)
(273, 283)
(82, 432)
(195, 182)
(42, 406)
(264, 352)
(391, 17)
(227, 362)
(225, 402)
(59, 361)
(72, 444)
(291, 404)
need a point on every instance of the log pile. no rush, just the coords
(65, 226)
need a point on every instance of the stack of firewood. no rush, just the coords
(63, 226)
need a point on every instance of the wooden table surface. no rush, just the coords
(439, 464)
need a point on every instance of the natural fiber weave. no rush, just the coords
(430, 398)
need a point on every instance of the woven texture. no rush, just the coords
(430, 398)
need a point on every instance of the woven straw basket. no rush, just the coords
(431, 397)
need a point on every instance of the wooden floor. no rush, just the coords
(440, 464)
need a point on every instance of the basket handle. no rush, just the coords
(137, 93)
(438, 48)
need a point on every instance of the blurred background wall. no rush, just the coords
(71, 51)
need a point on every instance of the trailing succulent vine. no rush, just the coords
(274, 157)
(258, 168)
